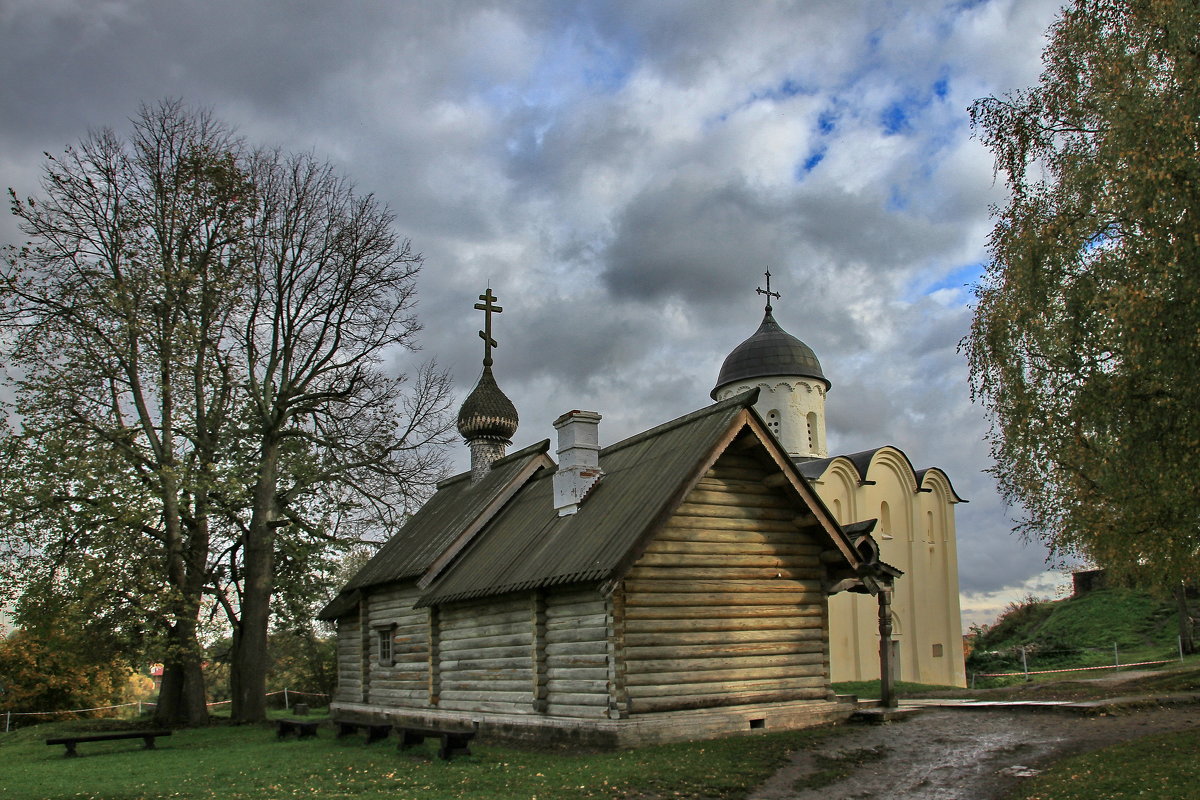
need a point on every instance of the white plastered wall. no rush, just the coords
(916, 534)
(794, 410)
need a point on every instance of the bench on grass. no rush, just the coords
(147, 738)
(375, 730)
(454, 743)
(302, 728)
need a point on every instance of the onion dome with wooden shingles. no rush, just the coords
(487, 413)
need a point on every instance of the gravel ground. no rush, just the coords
(958, 754)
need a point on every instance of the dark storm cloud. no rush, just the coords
(690, 239)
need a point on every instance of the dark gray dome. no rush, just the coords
(487, 413)
(770, 352)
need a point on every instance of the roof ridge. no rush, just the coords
(745, 400)
(537, 447)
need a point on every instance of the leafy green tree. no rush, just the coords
(195, 334)
(1085, 346)
(61, 658)
(116, 316)
(304, 660)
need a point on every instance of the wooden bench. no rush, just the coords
(454, 743)
(302, 728)
(147, 738)
(375, 730)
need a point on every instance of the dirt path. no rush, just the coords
(944, 754)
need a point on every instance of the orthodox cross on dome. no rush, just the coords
(766, 291)
(488, 307)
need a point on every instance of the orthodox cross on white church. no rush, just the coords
(488, 307)
(760, 290)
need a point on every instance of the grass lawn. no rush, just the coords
(1161, 766)
(223, 761)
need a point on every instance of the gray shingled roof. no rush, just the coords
(456, 504)
(527, 545)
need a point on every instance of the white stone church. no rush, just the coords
(914, 507)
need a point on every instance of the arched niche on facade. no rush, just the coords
(839, 482)
(890, 478)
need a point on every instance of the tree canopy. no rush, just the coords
(195, 334)
(1085, 346)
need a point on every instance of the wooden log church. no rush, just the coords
(673, 585)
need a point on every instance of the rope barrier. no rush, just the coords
(73, 710)
(10, 714)
(1070, 669)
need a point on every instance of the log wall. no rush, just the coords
(406, 681)
(485, 655)
(726, 606)
(349, 660)
(577, 654)
(545, 653)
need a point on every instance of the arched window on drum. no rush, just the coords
(773, 421)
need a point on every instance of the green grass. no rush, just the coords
(223, 761)
(1078, 632)
(1161, 766)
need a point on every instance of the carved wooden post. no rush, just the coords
(435, 655)
(886, 684)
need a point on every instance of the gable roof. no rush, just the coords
(503, 534)
(646, 477)
(457, 506)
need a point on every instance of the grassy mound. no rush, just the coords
(1077, 632)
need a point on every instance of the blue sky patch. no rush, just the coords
(894, 118)
(810, 163)
(962, 278)
(784, 90)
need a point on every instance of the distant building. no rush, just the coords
(1087, 580)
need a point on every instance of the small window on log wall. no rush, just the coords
(385, 645)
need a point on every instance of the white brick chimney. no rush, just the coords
(578, 459)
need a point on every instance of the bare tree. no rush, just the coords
(115, 313)
(332, 295)
(203, 330)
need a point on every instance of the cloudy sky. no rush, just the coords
(621, 173)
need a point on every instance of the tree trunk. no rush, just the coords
(1187, 642)
(250, 656)
(181, 698)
